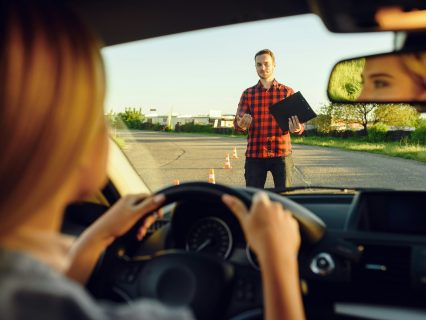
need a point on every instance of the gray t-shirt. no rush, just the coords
(30, 289)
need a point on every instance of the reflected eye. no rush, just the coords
(379, 84)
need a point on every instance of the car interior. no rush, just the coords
(363, 253)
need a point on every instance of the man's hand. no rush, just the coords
(244, 121)
(294, 125)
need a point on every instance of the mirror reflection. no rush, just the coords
(395, 77)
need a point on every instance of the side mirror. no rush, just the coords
(398, 77)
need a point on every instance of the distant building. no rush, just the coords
(215, 114)
(164, 119)
(184, 119)
(214, 118)
(227, 121)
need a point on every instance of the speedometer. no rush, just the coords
(210, 235)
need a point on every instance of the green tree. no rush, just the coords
(323, 121)
(369, 114)
(131, 118)
(359, 113)
(397, 115)
(345, 85)
(111, 118)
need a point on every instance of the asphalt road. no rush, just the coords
(160, 158)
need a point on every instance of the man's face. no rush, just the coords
(265, 66)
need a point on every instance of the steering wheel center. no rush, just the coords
(176, 286)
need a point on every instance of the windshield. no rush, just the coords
(172, 102)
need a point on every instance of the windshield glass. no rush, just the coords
(172, 102)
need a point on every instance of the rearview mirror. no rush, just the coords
(368, 16)
(398, 77)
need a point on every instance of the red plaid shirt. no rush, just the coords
(265, 138)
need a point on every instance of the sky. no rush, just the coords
(195, 72)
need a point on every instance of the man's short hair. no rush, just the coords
(265, 51)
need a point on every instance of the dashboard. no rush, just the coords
(374, 250)
(209, 228)
(371, 259)
(379, 218)
(389, 212)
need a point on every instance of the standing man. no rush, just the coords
(268, 147)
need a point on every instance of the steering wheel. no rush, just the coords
(177, 277)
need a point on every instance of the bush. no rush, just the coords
(151, 126)
(227, 131)
(398, 135)
(131, 118)
(419, 135)
(421, 122)
(322, 123)
(335, 133)
(115, 121)
(377, 133)
(197, 128)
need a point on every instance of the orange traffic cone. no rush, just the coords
(211, 176)
(227, 164)
(176, 182)
(234, 154)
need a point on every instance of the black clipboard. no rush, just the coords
(294, 105)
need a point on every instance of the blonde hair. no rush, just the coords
(51, 99)
(415, 65)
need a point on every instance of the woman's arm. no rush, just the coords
(273, 234)
(87, 249)
(281, 286)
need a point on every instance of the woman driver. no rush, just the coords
(54, 152)
(394, 77)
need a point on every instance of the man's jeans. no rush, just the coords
(280, 167)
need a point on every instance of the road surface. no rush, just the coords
(161, 157)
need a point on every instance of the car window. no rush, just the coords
(172, 100)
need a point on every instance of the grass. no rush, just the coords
(401, 149)
(119, 141)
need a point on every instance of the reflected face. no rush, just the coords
(265, 66)
(386, 78)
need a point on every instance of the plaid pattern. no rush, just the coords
(265, 137)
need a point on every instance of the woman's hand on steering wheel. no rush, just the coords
(125, 213)
(114, 223)
(266, 225)
(274, 236)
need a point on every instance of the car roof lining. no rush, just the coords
(140, 19)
